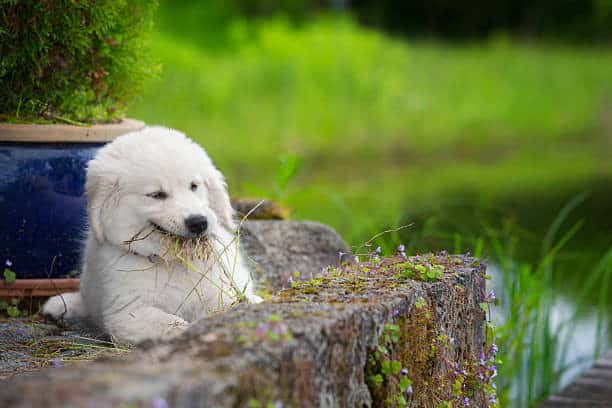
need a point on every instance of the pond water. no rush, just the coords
(576, 325)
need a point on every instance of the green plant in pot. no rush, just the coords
(68, 70)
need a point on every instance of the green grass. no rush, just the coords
(382, 122)
(332, 86)
(535, 348)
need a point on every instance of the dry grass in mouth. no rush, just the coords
(177, 248)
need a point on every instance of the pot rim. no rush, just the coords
(45, 133)
(24, 288)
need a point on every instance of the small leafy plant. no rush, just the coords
(390, 369)
(9, 275)
(411, 270)
(11, 308)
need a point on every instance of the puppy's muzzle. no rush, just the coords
(196, 224)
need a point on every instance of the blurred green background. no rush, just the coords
(487, 126)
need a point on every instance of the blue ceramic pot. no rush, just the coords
(42, 202)
(43, 206)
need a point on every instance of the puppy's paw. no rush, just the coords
(55, 308)
(252, 299)
(174, 328)
(64, 306)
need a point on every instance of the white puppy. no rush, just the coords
(155, 200)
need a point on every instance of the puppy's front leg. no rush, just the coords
(143, 323)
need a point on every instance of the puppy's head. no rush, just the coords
(152, 183)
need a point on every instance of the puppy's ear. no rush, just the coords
(219, 199)
(99, 189)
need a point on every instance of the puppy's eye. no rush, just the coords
(193, 186)
(158, 195)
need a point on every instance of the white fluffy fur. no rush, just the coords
(126, 288)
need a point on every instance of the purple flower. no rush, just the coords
(490, 296)
(290, 280)
(482, 360)
(409, 390)
(278, 404)
(493, 349)
(159, 402)
(378, 250)
(262, 329)
(451, 341)
(8, 263)
(463, 372)
(466, 402)
(401, 248)
(279, 329)
(56, 362)
(493, 399)
(403, 254)
(396, 312)
(404, 371)
(443, 252)
(480, 376)
(493, 373)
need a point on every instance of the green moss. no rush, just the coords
(441, 374)
(352, 282)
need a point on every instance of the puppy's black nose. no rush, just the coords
(196, 224)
